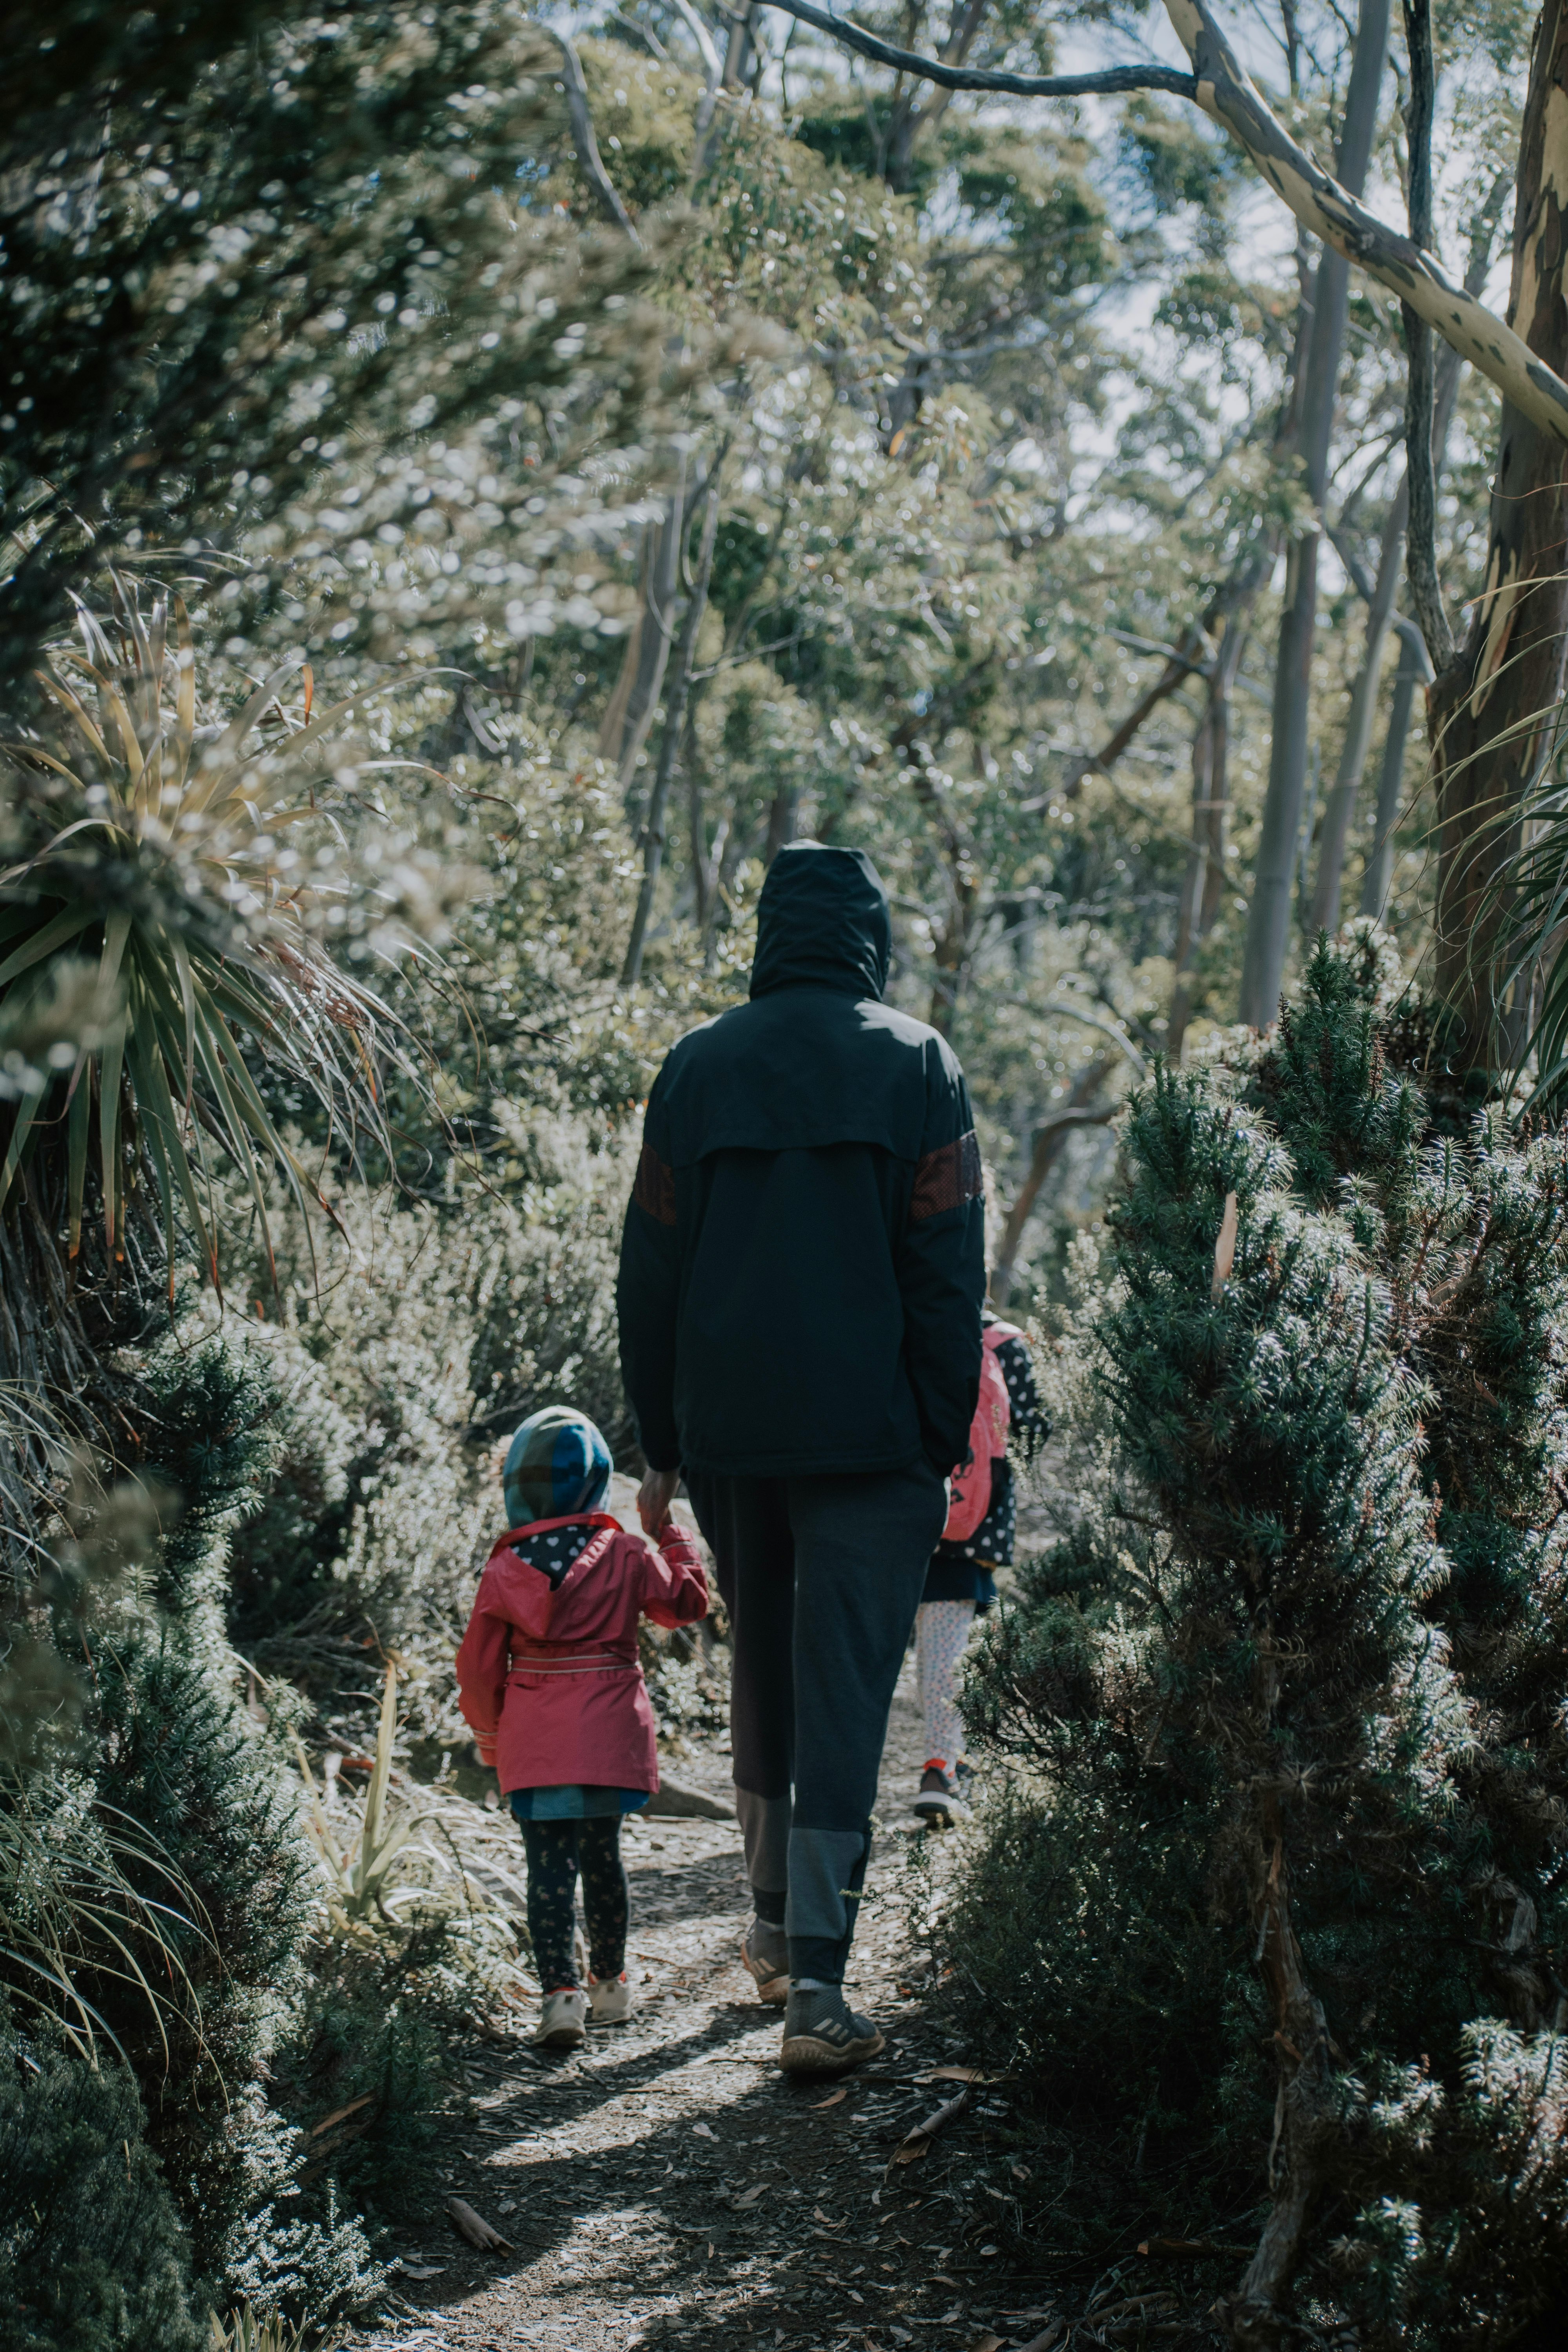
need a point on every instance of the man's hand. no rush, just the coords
(654, 1497)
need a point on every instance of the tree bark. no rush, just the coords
(1110, 82)
(636, 699)
(1079, 1110)
(674, 715)
(1421, 565)
(1415, 669)
(1268, 917)
(1187, 659)
(910, 122)
(704, 860)
(1420, 451)
(584, 140)
(784, 815)
(1341, 807)
(1204, 883)
(1522, 375)
(1491, 715)
(737, 55)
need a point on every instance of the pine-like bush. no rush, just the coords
(1290, 1807)
(179, 1756)
(93, 2255)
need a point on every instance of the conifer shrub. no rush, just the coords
(1283, 1712)
(363, 2047)
(93, 2254)
(177, 1755)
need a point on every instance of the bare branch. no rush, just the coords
(1105, 84)
(711, 63)
(1079, 1110)
(1420, 458)
(583, 141)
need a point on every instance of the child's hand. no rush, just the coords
(654, 1497)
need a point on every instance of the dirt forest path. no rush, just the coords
(668, 2185)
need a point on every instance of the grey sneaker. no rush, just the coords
(764, 1950)
(823, 2035)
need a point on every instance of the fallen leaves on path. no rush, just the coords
(832, 2099)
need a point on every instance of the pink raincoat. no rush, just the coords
(550, 1680)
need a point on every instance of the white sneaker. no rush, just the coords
(610, 2000)
(563, 2020)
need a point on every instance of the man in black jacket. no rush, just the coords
(801, 1279)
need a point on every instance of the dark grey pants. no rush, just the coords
(822, 1577)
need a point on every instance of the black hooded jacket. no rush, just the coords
(802, 1262)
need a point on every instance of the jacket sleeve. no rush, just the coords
(647, 1291)
(483, 1661)
(675, 1589)
(941, 1270)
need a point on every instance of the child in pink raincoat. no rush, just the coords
(548, 1677)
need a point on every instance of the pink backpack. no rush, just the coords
(970, 1486)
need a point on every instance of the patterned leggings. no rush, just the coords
(556, 1852)
(941, 1635)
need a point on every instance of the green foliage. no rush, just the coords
(97, 1919)
(1462, 2239)
(247, 264)
(83, 1889)
(246, 2332)
(201, 1810)
(399, 1375)
(1165, 2006)
(1352, 1126)
(318, 324)
(1270, 1741)
(1175, 159)
(153, 849)
(93, 2255)
(363, 2050)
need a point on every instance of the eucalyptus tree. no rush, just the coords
(1489, 704)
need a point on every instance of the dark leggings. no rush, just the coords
(556, 1852)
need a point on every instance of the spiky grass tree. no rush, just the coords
(164, 929)
(165, 982)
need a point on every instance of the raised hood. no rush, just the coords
(822, 922)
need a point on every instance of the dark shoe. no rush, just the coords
(764, 1950)
(823, 2035)
(939, 1803)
